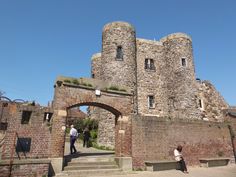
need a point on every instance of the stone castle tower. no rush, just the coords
(160, 73)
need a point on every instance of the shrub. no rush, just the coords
(67, 81)
(113, 88)
(84, 84)
(123, 90)
(75, 81)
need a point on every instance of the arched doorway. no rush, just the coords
(68, 96)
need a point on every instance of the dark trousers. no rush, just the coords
(86, 142)
(182, 165)
(72, 144)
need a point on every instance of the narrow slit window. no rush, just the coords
(200, 103)
(183, 62)
(151, 103)
(26, 117)
(119, 53)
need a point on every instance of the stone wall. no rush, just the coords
(213, 103)
(171, 81)
(180, 78)
(151, 81)
(119, 70)
(96, 66)
(156, 138)
(106, 126)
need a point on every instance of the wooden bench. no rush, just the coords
(161, 165)
(214, 162)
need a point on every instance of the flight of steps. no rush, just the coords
(91, 166)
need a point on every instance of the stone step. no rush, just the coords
(75, 163)
(94, 172)
(87, 167)
(93, 159)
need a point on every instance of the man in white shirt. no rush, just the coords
(179, 158)
(73, 136)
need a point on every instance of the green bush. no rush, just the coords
(84, 84)
(113, 88)
(67, 81)
(75, 81)
(123, 90)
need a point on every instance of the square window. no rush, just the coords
(23, 145)
(149, 64)
(26, 117)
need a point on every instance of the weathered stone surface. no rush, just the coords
(171, 82)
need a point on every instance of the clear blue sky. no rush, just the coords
(42, 39)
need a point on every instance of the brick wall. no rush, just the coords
(37, 129)
(25, 170)
(156, 138)
(123, 137)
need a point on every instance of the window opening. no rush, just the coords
(151, 103)
(149, 64)
(183, 61)
(47, 116)
(200, 103)
(26, 117)
(119, 53)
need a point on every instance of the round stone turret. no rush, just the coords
(119, 53)
(180, 75)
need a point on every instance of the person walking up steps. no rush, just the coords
(73, 136)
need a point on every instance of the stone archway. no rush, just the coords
(67, 96)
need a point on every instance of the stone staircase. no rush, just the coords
(91, 166)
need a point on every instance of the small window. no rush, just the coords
(200, 103)
(183, 62)
(93, 75)
(149, 64)
(119, 53)
(26, 117)
(151, 103)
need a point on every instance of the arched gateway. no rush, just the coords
(71, 92)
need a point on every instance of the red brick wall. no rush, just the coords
(25, 170)
(123, 138)
(156, 138)
(36, 129)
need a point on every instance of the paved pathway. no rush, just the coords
(226, 171)
(229, 171)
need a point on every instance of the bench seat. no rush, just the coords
(161, 165)
(214, 162)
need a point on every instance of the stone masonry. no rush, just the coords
(161, 69)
